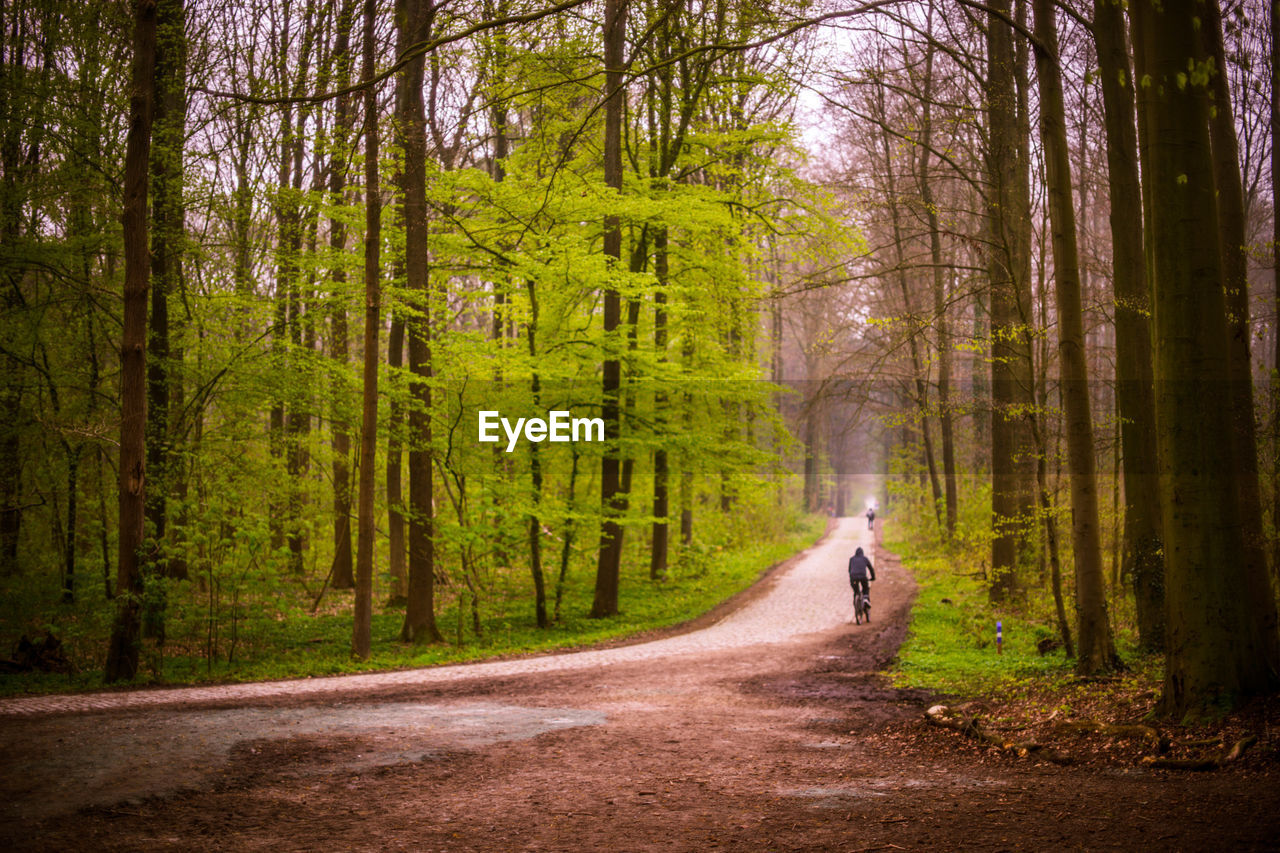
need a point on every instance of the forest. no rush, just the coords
(1005, 269)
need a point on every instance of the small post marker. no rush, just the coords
(999, 638)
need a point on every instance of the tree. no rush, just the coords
(1134, 389)
(164, 378)
(122, 654)
(362, 622)
(609, 560)
(343, 576)
(1216, 650)
(1096, 651)
(1274, 24)
(1235, 281)
(414, 21)
(1009, 258)
(940, 296)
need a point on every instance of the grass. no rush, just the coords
(276, 637)
(951, 645)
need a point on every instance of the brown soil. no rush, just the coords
(794, 746)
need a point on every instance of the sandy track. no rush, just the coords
(810, 595)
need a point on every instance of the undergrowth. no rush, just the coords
(951, 645)
(277, 636)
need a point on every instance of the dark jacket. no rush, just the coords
(860, 568)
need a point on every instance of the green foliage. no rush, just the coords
(265, 629)
(265, 345)
(951, 647)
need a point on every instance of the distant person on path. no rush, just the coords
(871, 518)
(859, 569)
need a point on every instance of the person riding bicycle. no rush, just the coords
(859, 569)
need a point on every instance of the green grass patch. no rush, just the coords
(951, 644)
(259, 636)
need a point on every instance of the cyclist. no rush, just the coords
(859, 569)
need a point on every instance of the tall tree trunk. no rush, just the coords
(661, 469)
(1275, 267)
(69, 543)
(1135, 394)
(1009, 222)
(170, 113)
(811, 456)
(1051, 540)
(952, 498)
(415, 18)
(566, 548)
(1235, 279)
(609, 559)
(1097, 650)
(362, 623)
(277, 521)
(1215, 648)
(343, 575)
(298, 422)
(914, 337)
(122, 652)
(396, 526)
(535, 472)
(12, 205)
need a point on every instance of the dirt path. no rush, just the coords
(769, 730)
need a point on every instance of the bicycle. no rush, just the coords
(861, 612)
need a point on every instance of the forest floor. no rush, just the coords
(766, 726)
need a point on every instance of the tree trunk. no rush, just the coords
(1051, 541)
(1275, 266)
(278, 522)
(1134, 390)
(535, 478)
(1009, 222)
(343, 575)
(362, 623)
(810, 457)
(122, 652)
(396, 541)
(1097, 650)
(1235, 279)
(1215, 649)
(167, 235)
(609, 560)
(918, 369)
(298, 422)
(661, 470)
(12, 206)
(946, 429)
(69, 538)
(415, 19)
(566, 549)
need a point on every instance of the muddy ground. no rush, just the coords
(800, 745)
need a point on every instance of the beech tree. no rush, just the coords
(1009, 259)
(361, 624)
(1096, 649)
(414, 21)
(607, 566)
(122, 654)
(1218, 650)
(1134, 389)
